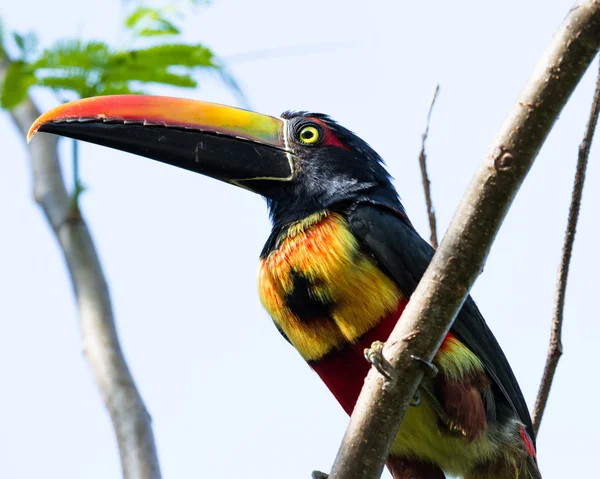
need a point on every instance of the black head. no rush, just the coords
(333, 169)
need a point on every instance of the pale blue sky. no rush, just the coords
(228, 396)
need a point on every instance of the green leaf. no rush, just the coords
(118, 89)
(148, 22)
(163, 56)
(18, 79)
(94, 68)
(80, 85)
(19, 40)
(160, 27)
(149, 75)
(2, 51)
(75, 83)
(74, 53)
(26, 43)
(141, 14)
(152, 32)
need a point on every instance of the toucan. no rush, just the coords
(337, 269)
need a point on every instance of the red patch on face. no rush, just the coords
(329, 138)
(526, 441)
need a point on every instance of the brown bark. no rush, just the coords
(425, 177)
(462, 253)
(130, 418)
(555, 350)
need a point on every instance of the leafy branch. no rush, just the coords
(79, 69)
(72, 68)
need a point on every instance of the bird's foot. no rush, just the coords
(416, 399)
(455, 429)
(430, 370)
(319, 475)
(374, 355)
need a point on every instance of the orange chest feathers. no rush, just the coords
(320, 289)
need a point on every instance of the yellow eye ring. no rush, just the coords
(309, 135)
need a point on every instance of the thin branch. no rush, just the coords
(463, 251)
(130, 418)
(425, 177)
(555, 350)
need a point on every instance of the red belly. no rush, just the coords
(344, 371)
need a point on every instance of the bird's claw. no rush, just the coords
(374, 355)
(319, 475)
(416, 399)
(429, 368)
(455, 428)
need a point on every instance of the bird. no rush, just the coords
(338, 268)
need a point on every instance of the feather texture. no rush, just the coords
(331, 299)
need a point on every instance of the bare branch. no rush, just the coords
(555, 350)
(425, 177)
(462, 253)
(130, 418)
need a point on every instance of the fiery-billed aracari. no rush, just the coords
(338, 268)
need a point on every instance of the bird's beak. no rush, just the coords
(229, 144)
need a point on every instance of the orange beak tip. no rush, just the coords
(32, 131)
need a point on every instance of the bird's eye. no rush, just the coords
(309, 135)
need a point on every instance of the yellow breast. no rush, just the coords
(334, 272)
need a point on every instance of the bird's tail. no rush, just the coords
(506, 469)
(516, 463)
(531, 470)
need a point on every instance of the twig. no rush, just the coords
(462, 253)
(425, 177)
(555, 350)
(130, 418)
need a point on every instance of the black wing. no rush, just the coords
(404, 256)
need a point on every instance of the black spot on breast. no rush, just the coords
(305, 305)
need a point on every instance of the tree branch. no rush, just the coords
(130, 418)
(462, 253)
(555, 350)
(425, 177)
